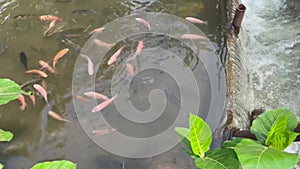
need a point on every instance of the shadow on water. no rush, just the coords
(38, 137)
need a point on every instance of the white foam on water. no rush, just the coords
(271, 38)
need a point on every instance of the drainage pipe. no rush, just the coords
(238, 18)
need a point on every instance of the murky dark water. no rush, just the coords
(40, 138)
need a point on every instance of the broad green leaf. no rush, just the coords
(278, 137)
(189, 152)
(282, 140)
(256, 156)
(6, 135)
(262, 125)
(184, 135)
(1, 166)
(279, 126)
(200, 135)
(9, 90)
(221, 158)
(60, 164)
(231, 143)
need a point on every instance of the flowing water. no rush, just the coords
(38, 137)
(272, 53)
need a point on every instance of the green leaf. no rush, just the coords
(200, 135)
(9, 90)
(189, 152)
(262, 125)
(278, 137)
(1, 166)
(221, 158)
(6, 135)
(281, 140)
(60, 164)
(184, 135)
(231, 143)
(256, 156)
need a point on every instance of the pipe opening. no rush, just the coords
(241, 8)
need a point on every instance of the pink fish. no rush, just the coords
(194, 37)
(46, 66)
(56, 116)
(144, 22)
(102, 44)
(90, 64)
(42, 91)
(51, 25)
(103, 105)
(102, 132)
(97, 30)
(21, 98)
(114, 57)
(196, 21)
(81, 98)
(32, 98)
(96, 95)
(138, 50)
(129, 68)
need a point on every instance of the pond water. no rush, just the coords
(39, 138)
(271, 49)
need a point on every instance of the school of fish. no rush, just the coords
(114, 59)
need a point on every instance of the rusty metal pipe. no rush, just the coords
(238, 18)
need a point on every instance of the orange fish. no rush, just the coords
(102, 44)
(21, 98)
(103, 105)
(195, 20)
(32, 98)
(102, 132)
(96, 95)
(90, 64)
(49, 18)
(129, 68)
(194, 37)
(41, 73)
(56, 116)
(144, 22)
(42, 91)
(46, 66)
(59, 55)
(138, 50)
(97, 30)
(114, 57)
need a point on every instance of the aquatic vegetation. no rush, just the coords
(59, 164)
(198, 139)
(274, 133)
(5, 135)
(9, 90)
